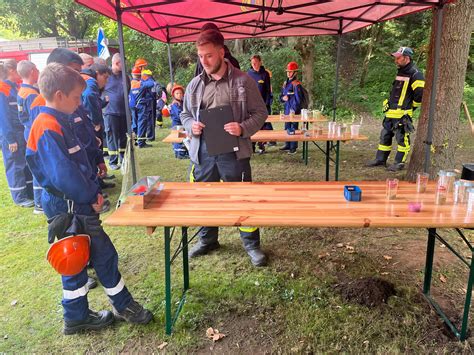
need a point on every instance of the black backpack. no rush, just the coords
(304, 97)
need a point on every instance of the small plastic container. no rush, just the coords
(447, 178)
(352, 193)
(355, 129)
(391, 188)
(441, 194)
(331, 128)
(421, 182)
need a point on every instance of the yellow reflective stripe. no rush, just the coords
(403, 94)
(106, 149)
(122, 150)
(417, 84)
(385, 148)
(248, 229)
(191, 174)
(398, 113)
(113, 152)
(416, 104)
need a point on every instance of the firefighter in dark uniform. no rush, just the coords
(405, 97)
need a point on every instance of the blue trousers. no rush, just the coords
(223, 167)
(144, 117)
(291, 125)
(104, 259)
(116, 134)
(19, 178)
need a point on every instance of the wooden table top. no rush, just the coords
(290, 204)
(279, 136)
(296, 118)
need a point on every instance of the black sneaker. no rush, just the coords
(106, 185)
(272, 144)
(94, 321)
(38, 210)
(145, 145)
(375, 162)
(292, 151)
(134, 313)
(91, 282)
(257, 257)
(200, 248)
(396, 167)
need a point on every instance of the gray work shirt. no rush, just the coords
(216, 92)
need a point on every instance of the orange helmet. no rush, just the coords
(136, 71)
(292, 66)
(70, 255)
(165, 112)
(177, 87)
(140, 62)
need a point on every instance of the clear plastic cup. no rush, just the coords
(470, 200)
(331, 128)
(391, 188)
(441, 194)
(292, 114)
(282, 115)
(421, 182)
(355, 128)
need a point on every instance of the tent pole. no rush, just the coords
(338, 54)
(429, 134)
(128, 115)
(169, 56)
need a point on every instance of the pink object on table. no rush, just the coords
(414, 206)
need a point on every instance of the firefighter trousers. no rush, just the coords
(223, 167)
(394, 127)
(116, 134)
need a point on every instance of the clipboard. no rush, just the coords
(218, 141)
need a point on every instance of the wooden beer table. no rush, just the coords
(292, 204)
(331, 151)
(296, 118)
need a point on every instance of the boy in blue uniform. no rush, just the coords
(291, 98)
(144, 105)
(180, 151)
(12, 137)
(59, 162)
(27, 95)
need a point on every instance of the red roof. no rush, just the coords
(180, 20)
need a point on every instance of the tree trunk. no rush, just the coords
(305, 47)
(375, 33)
(238, 47)
(455, 39)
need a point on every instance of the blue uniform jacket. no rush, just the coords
(10, 126)
(114, 90)
(175, 111)
(59, 163)
(91, 100)
(292, 89)
(146, 93)
(262, 78)
(85, 132)
(25, 98)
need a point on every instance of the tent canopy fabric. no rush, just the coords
(175, 21)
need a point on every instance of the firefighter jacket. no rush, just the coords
(146, 93)
(175, 112)
(262, 78)
(59, 163)
(26, 95)
(10, 125)
(291, 88)
(91, 100)
(406, 93)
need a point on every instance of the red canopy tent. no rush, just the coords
(174, 21)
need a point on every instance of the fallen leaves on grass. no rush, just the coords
(162, 345)
(387, 257)
(442, 278)
(13, 303)
(214, 334)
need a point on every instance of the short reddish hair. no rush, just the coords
(210, 36)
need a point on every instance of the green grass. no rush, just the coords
(289, 306)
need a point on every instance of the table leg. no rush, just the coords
(184, 233)
(327, 159)
(467, 302)
(168, 319)
(429, 260)
(336, 177)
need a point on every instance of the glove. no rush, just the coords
(58, 225)
(385, 106)
(407, 124)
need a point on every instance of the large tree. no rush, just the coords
(47, 18)
(457, 26)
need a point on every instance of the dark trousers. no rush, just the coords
(294, 126)
(144, 117)
(227, 168)
(393, 127)
(19, 178)
(104, 259)
(116, 134)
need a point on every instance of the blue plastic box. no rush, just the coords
(352, 193)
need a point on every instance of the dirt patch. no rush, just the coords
(368, 291)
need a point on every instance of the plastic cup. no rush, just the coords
(331, 128)
(355, 128)
(282, 115)
(470, 200)
(292, 114)
(391, 188)
(421, 182)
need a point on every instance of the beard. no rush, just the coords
(215, 68)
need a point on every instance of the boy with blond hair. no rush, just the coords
(60, 164)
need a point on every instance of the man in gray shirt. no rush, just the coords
(221, 84)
